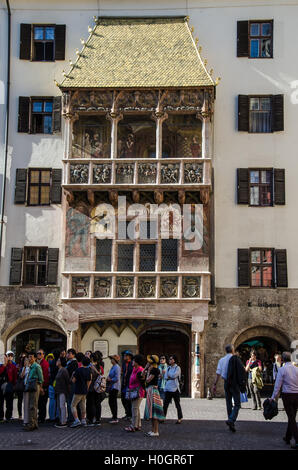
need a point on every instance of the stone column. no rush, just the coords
(197, 366)
(2, 347)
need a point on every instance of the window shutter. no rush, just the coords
(242, 186)
(243, 113)
(24, 114)
(25, 42)
(281, 268)
(277, 113)
(21, 186)
(56, 186)
(243, 267)
(279, 187)
(242, 38)
(57, 114)
(15, 276)
(60, 42)
(53, 256)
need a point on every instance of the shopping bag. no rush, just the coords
(243, 397)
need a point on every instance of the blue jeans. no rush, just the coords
(232, 392)
(70, 417)
(53, 412)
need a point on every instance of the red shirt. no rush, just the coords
(11, 371)
(46, 372)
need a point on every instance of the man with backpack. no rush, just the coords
(172, 387)
(231, 369)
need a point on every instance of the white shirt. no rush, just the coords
(222, 366)
(286, 380)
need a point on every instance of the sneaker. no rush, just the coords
(114, 421)
(231, 426)
(84, 423)
(152, 434)
(90, 425)
(97, 423)
(75, 424)
(60, 425)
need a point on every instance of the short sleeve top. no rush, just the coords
(155, 372)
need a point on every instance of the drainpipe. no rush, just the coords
(6, 123)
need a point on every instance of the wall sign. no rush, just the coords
(102, 346)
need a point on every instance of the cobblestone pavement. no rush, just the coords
(203, 427)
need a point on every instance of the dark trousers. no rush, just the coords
(113, 394)
(101, 397)
(126, 404)
(42, 405)
(8, 398)
(20, 403)
(290, 401)
(168, 400)
(92, 404)
(255, 394)
(232, 393)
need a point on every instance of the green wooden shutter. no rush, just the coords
(25, 41)
(279, 187)
(277, 113)
(16, 262)
(242, 39)
(243, 113)
(56, 186)
(281, 268)
(24, 114)
(60, 42)
(21, 186)
(242, 186)
(56, 114)
(53, 257)
(243, 267)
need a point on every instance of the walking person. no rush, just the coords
(82, 380)
(232, 371)
(114, 386)
(253, 367)
(33, 383)
(136, 392)
(8, 379)
(172, 387)
(44, 389)
(62, 389)
(153, 408)
(126, 371)
(287, 383)
(71, 367)
(163, 366)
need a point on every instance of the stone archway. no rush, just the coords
(262, 331)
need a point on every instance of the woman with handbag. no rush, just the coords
(136, 393)
(154, 407)
(32, 385)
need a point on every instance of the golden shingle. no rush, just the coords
(139, 53)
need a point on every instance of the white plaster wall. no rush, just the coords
(127, 337)
(215, 23)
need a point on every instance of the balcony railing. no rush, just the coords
(79, 173)
(131, 285)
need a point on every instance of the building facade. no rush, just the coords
(137, 120)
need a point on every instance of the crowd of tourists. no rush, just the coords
(70, 386)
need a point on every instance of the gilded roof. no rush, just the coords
(139, 53)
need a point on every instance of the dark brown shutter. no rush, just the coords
(60, 42)
(277, 113)
(281, 268)
(242, 39)
(243, 267)
(242, 186)
(279, 187)
(21, 186)
(24, 114)
(56, 186)
(57, 114)
(25, 42)
(15, 276)
(243, 113)
(53, 256)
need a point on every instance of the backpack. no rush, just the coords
(270, 409)
(100, 384)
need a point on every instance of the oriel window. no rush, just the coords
(260, 39)
(42, 119)
(44, 43)
(39, 187)
(35, 269)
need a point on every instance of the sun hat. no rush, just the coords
(115, 357)
(153, 359)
